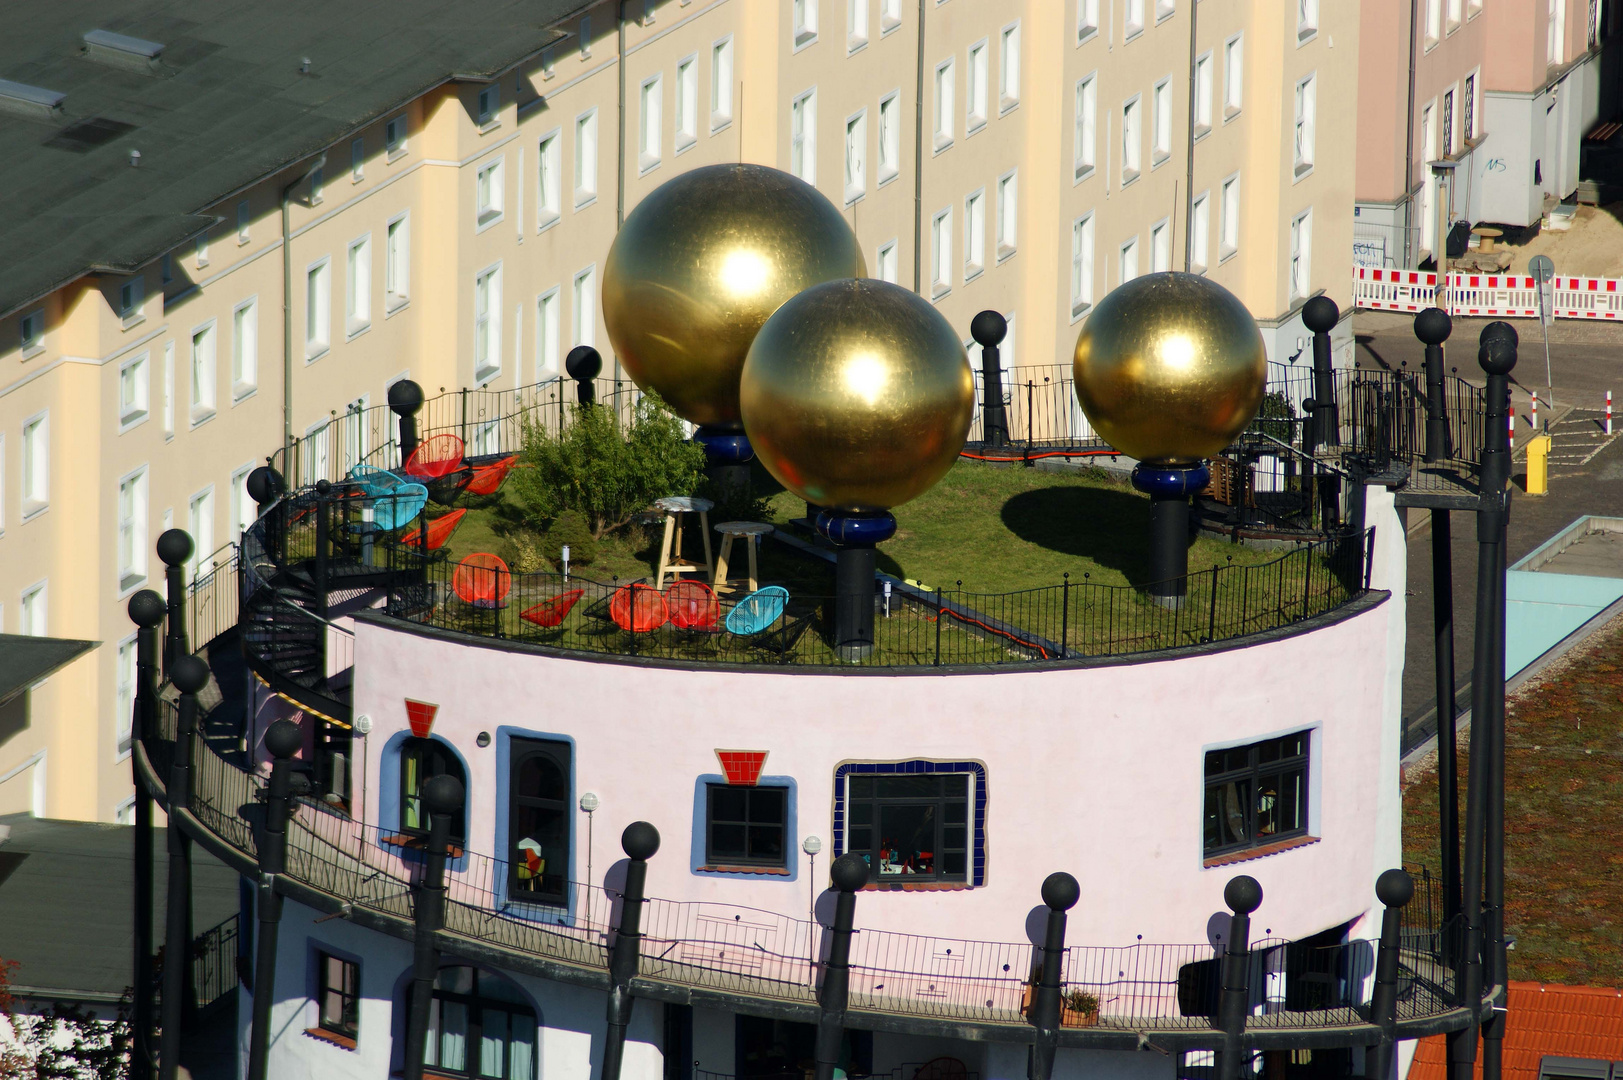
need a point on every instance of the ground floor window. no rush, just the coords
(1255, 794)
(913, 821)
(538, 821)
(480, 1025)
(338, 995)
(745, 826)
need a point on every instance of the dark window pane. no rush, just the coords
(766, 841)
(1292, 805)
(952, 836)
(908, 787)
(727, 842)
(541, 778)
(952, 863)
(862, 813)
(860, 787)
(955, 810)
(1270, 751)
(1226, 807)
(766, 805)
(907, 839)
(861, 839)
(729, 803)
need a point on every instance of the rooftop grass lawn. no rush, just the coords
(1563, 818)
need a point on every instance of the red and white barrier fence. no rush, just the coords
(1502, 296)
(1608, 413)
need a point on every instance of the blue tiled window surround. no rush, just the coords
(977, 867)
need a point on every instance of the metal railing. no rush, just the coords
(214, 962)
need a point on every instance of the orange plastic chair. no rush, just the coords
(435, 457)
(482, 580)
(638, 608)
(692, 605)
(487, 479)
(550, 614)
(439, 531)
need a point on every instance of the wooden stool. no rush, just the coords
(751, 531)
(670, 556)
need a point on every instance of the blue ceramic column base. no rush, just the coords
(727, 453)
(1169, 488)
(854, 536)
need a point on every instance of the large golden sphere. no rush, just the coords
(700, 264)
(1170, 368)
(857, 395)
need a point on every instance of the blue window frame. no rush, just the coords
(914, 821)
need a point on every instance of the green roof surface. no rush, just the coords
(225, 106)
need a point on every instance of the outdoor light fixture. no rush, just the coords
(588, 802)
(811, 845)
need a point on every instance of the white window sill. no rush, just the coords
(1132, 33)
(199, 417)
(551, 218)
(487, 126)
(719, 122)
(128, 583)
(887, 25)
(355, 330)
(855, 45)
(393, 305)
(805, 39)
(942, 143)
(1163, 15)
(242, 392)
(854, 195)
(1081, 173)
(547, 73)
(32, 510)
(316, 199)
(356, 179)
(1302, 172)
(1005, 252)
(1159, 158)
(481, 376)
(685, 141)
(33, 351)
(1201, 131)
(312, 354)
(887, 177)
(133, 320)
(1198, 268)
(1129, 176)
(972, 271)
(242, 240)
(487, 219)
(1080, 308)
(1006, 105)
(975, 122)
(1305, 35)
(1431, 43)
(1230, 112)
(202, 264)
(1086, 34)
(395, 153)
(1227, 254)
(582, 202)
(647, 163)
(938, 290)
(132, 420)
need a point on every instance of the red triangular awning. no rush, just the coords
(742, 767)
(421, 716)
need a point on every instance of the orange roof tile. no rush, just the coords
(1545, 1020)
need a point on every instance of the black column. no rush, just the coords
(265, 486)
(1320, 315)
(1432, 327)
(1448, 791)
(988, 329)
(174, 548)
(146, 609)
(443, 796)
(1243, 895)
(405, 398)
(1394, 889)
(190, 675)
(1060, 892)
(283, 740)
(847, 874)
(639, 841)
(583, 365)
(1169, 487)
(854, 535)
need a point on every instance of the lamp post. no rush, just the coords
(146, 609)
(405, 398)
(583, 365)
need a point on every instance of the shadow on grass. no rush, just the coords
(1111, 526)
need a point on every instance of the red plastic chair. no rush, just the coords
(692, 605)
(549, 614)
(439, 531)
(435, 457)
(487, 479)
(482, 580)
(638, 608)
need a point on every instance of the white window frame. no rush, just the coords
(2, 490)
(36, 464)
(1203, 94)
(130, 545)
(244, 222)
(1200, 225)
(974, 234)
(548, 334)
(243, 508)
(1008, 214)
(200, 523)
(941, 253)
(803, 136)
(489, 186)
(890, 16)
(856, 156)
(886, 253)
(650, 122)
(358, 286)
(1082, 255)
(357, 160)
(204, 371)
(583, 306)
(721, 83)
(34, 613)
(856, 26)
(1008, 67)
(202, 243)
(168, 390)
(1132, 19)
(586, 158)
(394, 137)
(125, 674)
(1433, 29)
(1301, 255)
(585, 37)
(396, 263)
(1307, 20)
(977, 79)
(803, 23)
(1303, 131)
(1161, 123)
(134, 411)
(1161, 246)
(318, 316)
(1127, 253)
(1087, 20)
(1165, 9)
(549, 156)
(945, 86)
(1085, 127)
(132, 300)
(686, 107)
(1228, 224)
(890, 137)
(1233, 76)
(1132, 139)
(487, 325)
(31, 333)
(490, 107)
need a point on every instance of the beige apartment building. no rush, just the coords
(1480, 103)
(316, 212)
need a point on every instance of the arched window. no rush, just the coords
(480, 1025)
(419, 760)
(538, 821)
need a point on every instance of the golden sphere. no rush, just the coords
(857, 395)
(700, 264)
(1170, 368)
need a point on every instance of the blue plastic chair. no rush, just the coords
(395, 502)
(758, 610)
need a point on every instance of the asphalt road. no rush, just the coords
(1587, 360)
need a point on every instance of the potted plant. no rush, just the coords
(1079, 1009)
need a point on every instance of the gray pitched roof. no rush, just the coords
(223, 105)
(25, 660)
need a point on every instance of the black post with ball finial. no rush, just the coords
(854, 536)
(265, 485)
(443, 796)
(583, 364)
(988, 329)
(1320, 315)
(189, 675)
(282, 740)
(1394, 889)
(1243, 895)
(1060, 894)
(405, 398)
(640, 842)
(174, 548)
(146, 610)
(1169, 487)
(847, 874)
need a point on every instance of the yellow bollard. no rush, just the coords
(1538, 465)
